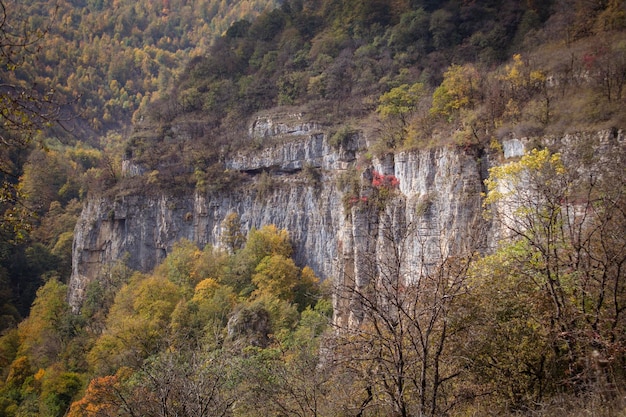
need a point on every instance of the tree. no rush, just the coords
(522, 80)
(509, 349)
(396, 108)
(607, 67)
(457, 91)
(180, 263)
(232, 236)
(266, 241)
(100, 295)
(292, 378)
(106, 396)
(49, 327)
(185, 384)
(57, 391)
(307, 291)
(523, 85)
(442, 28)
(400, 101)
(269, 240)
(136, 325)
(530, 195)
(204, 317)
(276, 275)
(187, 265)
(567, 212)
(401, 352)
(46, 177)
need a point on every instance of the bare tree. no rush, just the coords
(401, 350)
(185, 384)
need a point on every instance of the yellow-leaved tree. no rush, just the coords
(457, 91)
(564, 247)
(136, 325)
(276, 275)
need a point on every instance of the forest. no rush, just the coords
(241, 329)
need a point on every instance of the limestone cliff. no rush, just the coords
(337, 218)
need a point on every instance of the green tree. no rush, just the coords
(100, 295)
(187, 265)
(512, 360)
(201, 320)
(307, 291)
(49, 326)
(180, 264)
(267, 241)
(57, 391)
(400, 102)
(136, 324)
(442, 29)
(292, 378)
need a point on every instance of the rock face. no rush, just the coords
(338, 219)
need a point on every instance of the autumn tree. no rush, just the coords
(232, 236)
(266, 241)
(187, 264)
(565, 215)
(524, 88)
(276, 275)
(396, 107)
(400, 101)
(457, 91)
(136, 324)
(202, 319)
(104, 397)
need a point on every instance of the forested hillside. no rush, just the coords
(241, 329)
(110, 57)
(93, 64)
(408, 73)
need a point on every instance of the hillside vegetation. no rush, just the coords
(110, 57)
(242, 330)
(89, 65)
(410, 74)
